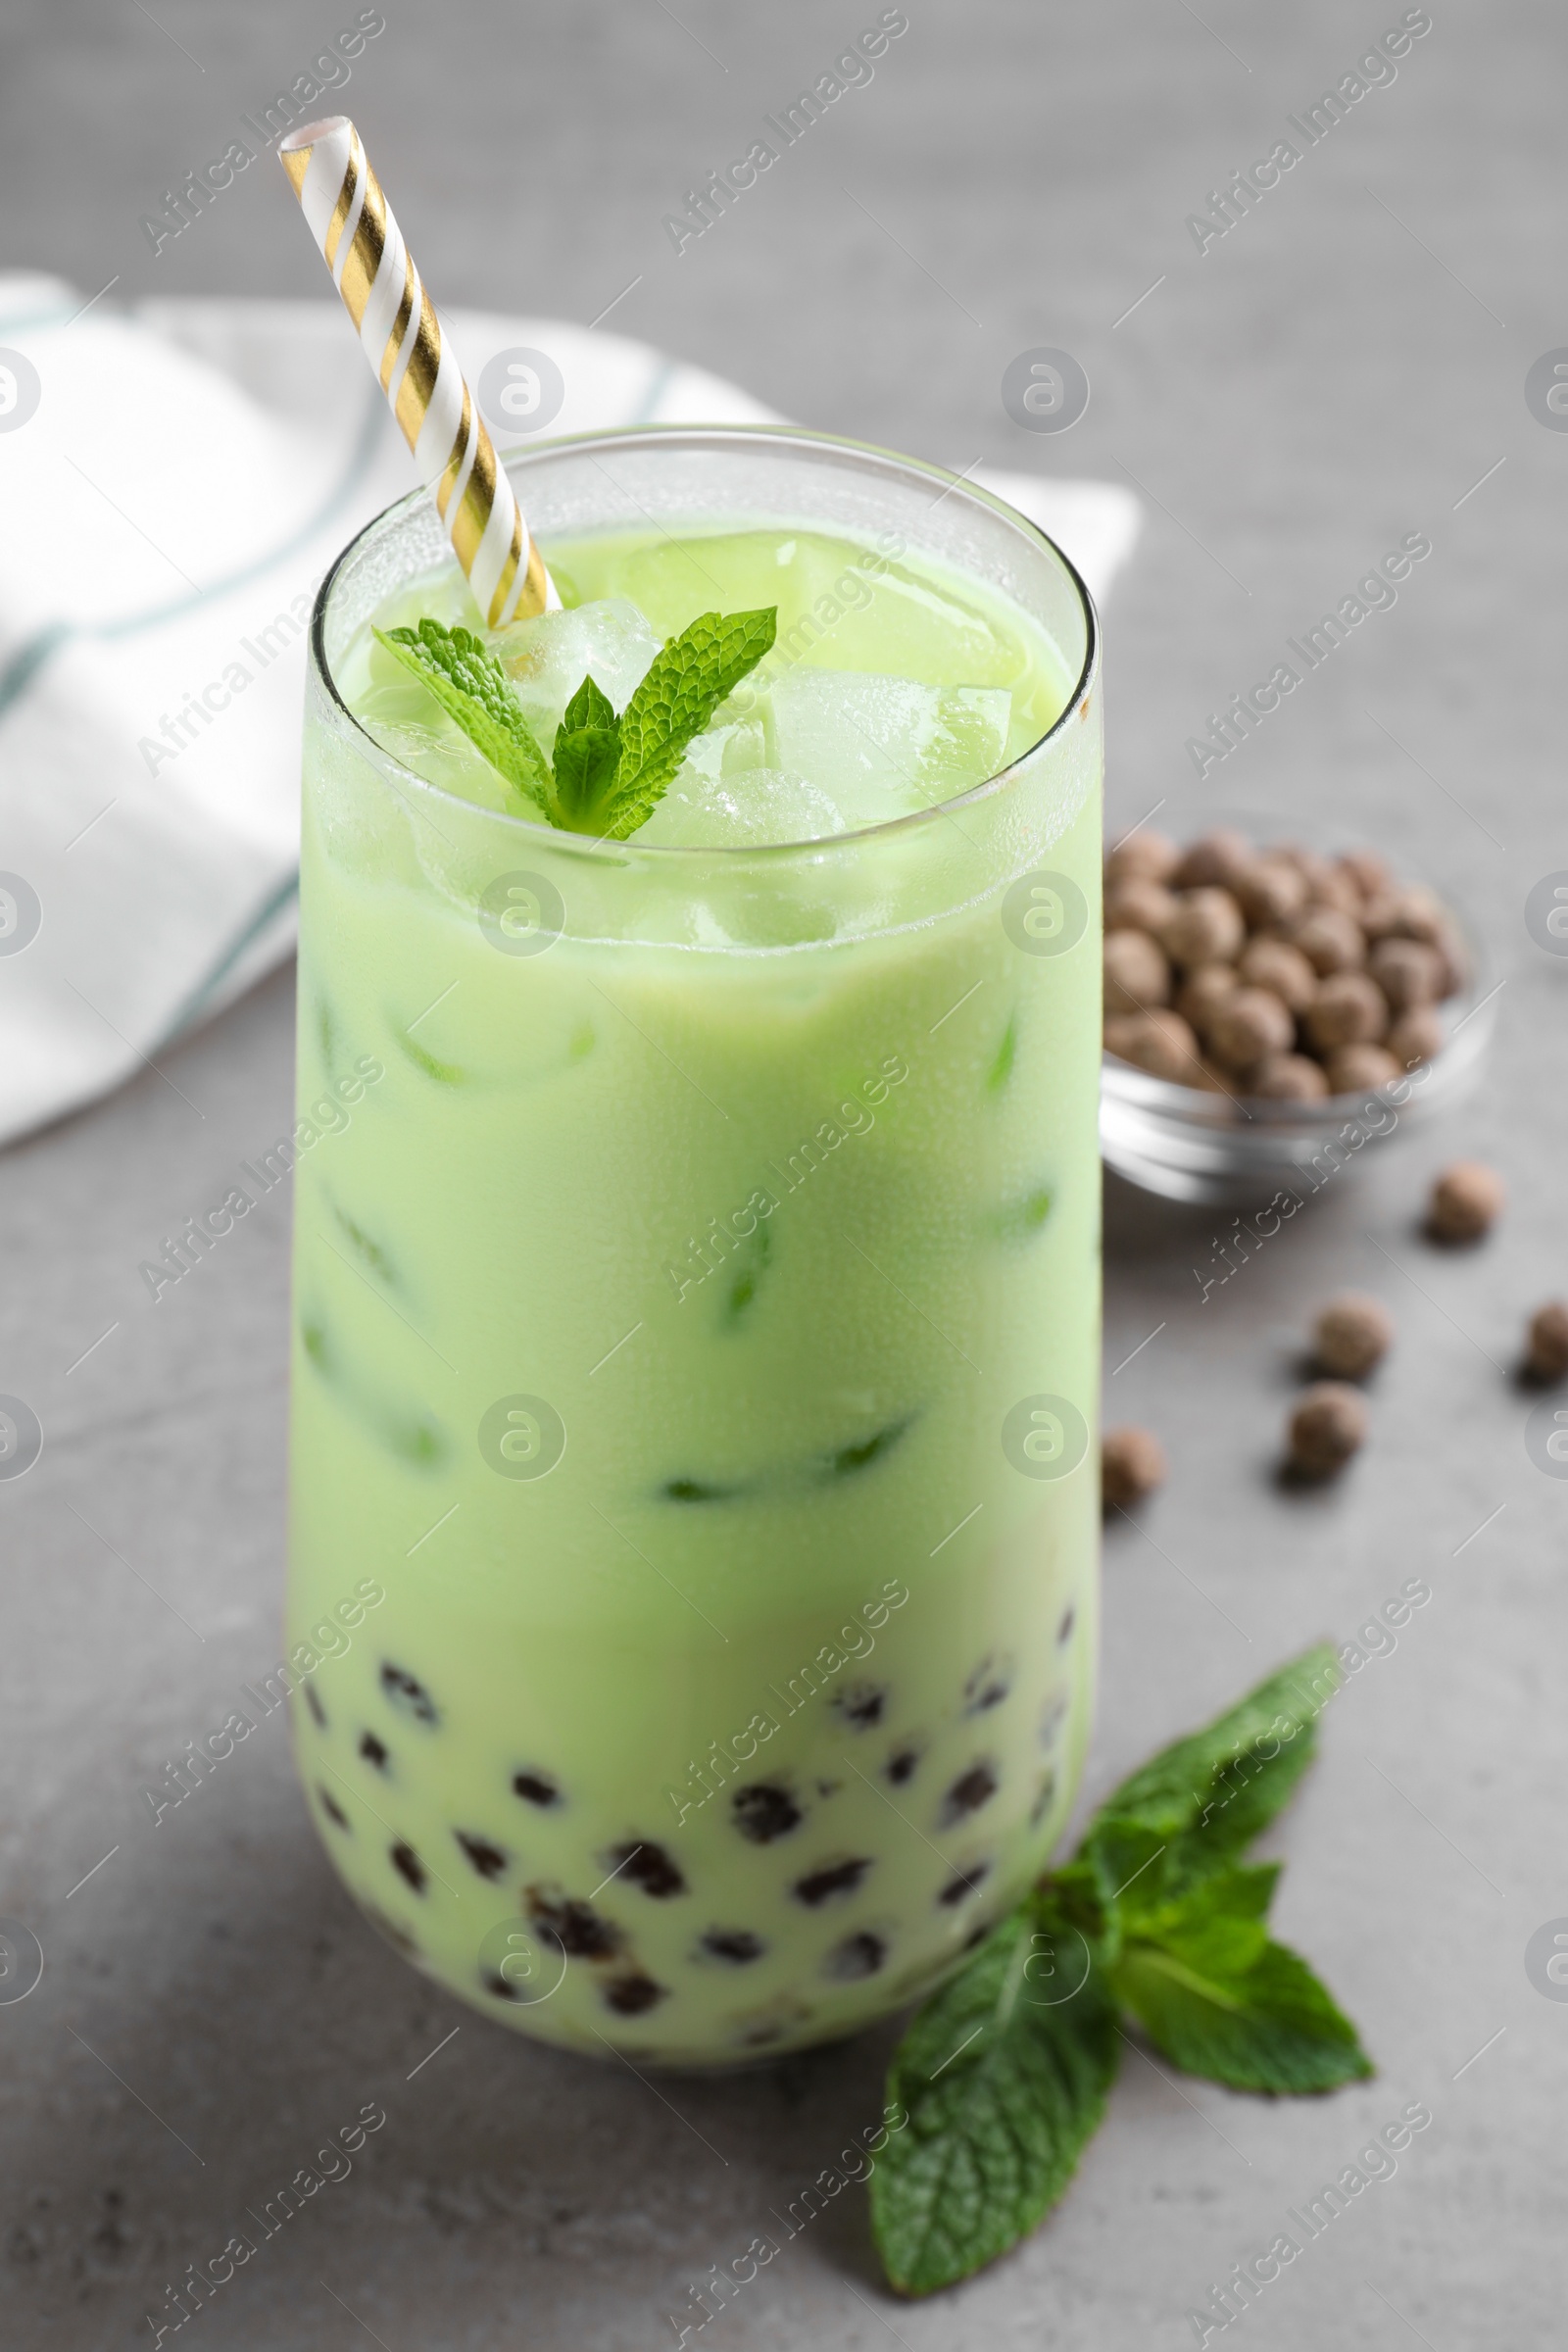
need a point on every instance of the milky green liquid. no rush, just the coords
(748, 1715)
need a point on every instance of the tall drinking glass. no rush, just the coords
(695, 1499)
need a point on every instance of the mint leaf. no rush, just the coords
(589, 706)
(1004, 2081)
(1254, 2017)
(1005, 2072)
(1214, 1791)
(472, 688)
(687, 680)
(610, 773)
(587, 753)
(1222, 1919)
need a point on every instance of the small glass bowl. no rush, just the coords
(1188, 1144)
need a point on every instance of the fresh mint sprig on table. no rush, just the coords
(1005, 2074)
(606, 774)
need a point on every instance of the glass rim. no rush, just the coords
(890, 463)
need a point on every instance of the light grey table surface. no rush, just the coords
(1341, 368)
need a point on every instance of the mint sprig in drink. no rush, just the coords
(695, 1329)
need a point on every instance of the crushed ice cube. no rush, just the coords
(734, 745)
(883, 746)
(728, 808)
(549, 657)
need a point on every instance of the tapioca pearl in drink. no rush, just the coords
(406, 1862)
(633, 1996)
(765, 1811)
(405, 1693)
(737, 1947)
(963, 1884)
(987, 1687)
(831, 1879)
(860, 1955)
(376, 1751)
(1065, 1630)
(903, 1765)
(312, 1700)
(536, 1788)
(488, 1859)
(582, 1933)
(332, 1809)
(642, 1863)
(861, 1705)
(969, 1792)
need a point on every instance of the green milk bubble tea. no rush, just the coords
(695, 1320)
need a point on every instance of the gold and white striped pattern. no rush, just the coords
(373, 271)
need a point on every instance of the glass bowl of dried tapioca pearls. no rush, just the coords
(1273, 1008)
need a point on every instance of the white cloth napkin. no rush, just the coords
(185, 476)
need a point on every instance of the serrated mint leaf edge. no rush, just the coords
(506, 740)
(696, 671)
(1080, 2060)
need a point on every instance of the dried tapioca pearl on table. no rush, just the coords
(1132, 1464)
(1313, 866)
(1360, 1069)
(1408, 972)
(1327, 1426)
(1451, 954)
(1202, 991)
(1336, 890)
(1139, 903)
(1330, 941)
(1290, 1078)
(1352, 1334)
(1546, 1341)
(1274, 964)
(1207, 927)
(1348, 1010)
(1137, 974)
(1415, 1037)
(1270, 890)
(1415, 912)
(1248, 1025)
(1465, 1202)
(1150, 855)
(1213, 859)
(1160, 1043)
(1367, 871)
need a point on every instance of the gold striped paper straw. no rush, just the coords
(373, 271)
